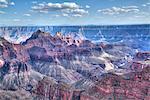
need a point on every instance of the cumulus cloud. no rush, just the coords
(3, 6)
(27, 15)
(6, 3)
(55, 6)
(65, 5)
(67, 8)
(119, 10)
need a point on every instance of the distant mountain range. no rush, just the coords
(136, 35)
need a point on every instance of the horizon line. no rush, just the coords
(74, 25)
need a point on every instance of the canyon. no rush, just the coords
(65, 67)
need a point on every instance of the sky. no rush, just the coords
(74, 12)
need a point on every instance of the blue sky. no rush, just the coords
(74, 12)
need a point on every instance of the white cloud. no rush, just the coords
(55, 6)
(6, 3)
(87, 6)
(119, 10)
(3, 5)
(65, 15)
(65, 5)
(75, 11)
(2, 12)
(65, 8)
(27, 15)
(12, 3)
(77, 15)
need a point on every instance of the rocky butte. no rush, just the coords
(59, 67)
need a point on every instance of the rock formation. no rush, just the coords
(59, 67)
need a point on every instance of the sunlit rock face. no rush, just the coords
(71, 66)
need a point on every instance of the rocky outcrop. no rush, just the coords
(15, 95)
(143, 56)
(129, 86)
